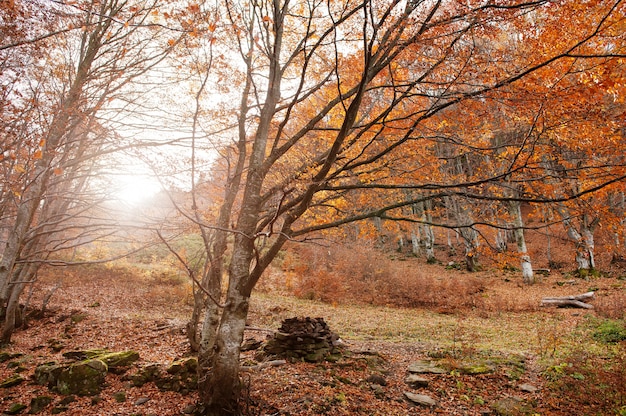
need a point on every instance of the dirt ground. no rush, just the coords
(113, 309)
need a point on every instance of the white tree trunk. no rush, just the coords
(520, 240)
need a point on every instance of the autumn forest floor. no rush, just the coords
(540, 358)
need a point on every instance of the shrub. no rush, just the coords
(589, 383)
(363, 274)
(610, 331)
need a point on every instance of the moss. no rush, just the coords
(14, 380)
(84, 378)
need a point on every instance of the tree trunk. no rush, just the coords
(518, 231)
(221, 389)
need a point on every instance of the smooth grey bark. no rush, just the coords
(520, 241)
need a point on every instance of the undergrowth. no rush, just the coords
(591, 383)
(365, 275)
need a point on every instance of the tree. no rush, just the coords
(332, 96)
(66, 87)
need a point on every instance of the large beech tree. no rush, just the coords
(344, 98)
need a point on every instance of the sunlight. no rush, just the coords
(136, 189)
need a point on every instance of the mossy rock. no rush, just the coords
(147, 373)
(477, 368)
(119, 360)
(84, 378)
(47, 374)
(120, 396)
(6, 356)
(181, 377)
(15, 408)
(512, 406)
(14, 380)
(39, 403)
(82, 355)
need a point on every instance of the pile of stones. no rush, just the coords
(304, 339)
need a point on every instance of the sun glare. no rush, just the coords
(133, 190)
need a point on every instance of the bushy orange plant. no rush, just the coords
(363, 274)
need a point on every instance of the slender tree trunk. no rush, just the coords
(520, 240)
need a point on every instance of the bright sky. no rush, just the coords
(134, 189)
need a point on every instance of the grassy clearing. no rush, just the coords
(541, 333)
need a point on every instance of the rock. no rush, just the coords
(38, 404)
(150, 372)
(141, 400)
(476, 368)
(420, 399)
(251, 345)
(303, 339)
(528, 388)
(120, 396)
(5, 356)
(511, 406)
(67, 400)
(416, 381)
(14, 380)
(47, 374)
(15, 408)
(182, 376)
(116, 360)
(81, 355)
(189, 409)
(377, 379)
(185, 365)
(426, 366)
(84, 378)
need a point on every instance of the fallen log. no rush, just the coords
(575, 301)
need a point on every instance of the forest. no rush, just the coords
(211, 177)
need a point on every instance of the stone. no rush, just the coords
(147, 373)
(303, 339)
(185, 365)
(181, 376)
(426, 367)
(15, 408)
(6, 356)
(67, 400)
(511, 406)
(47, 374)
(120, 396)
(141, 400)
(377, 379)
(115, 360)
(528, 388)
(38, 404)
(84, 378)
(416, 381)
(251, 345)
(420, 399)
(476, 368)
(14, 380)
